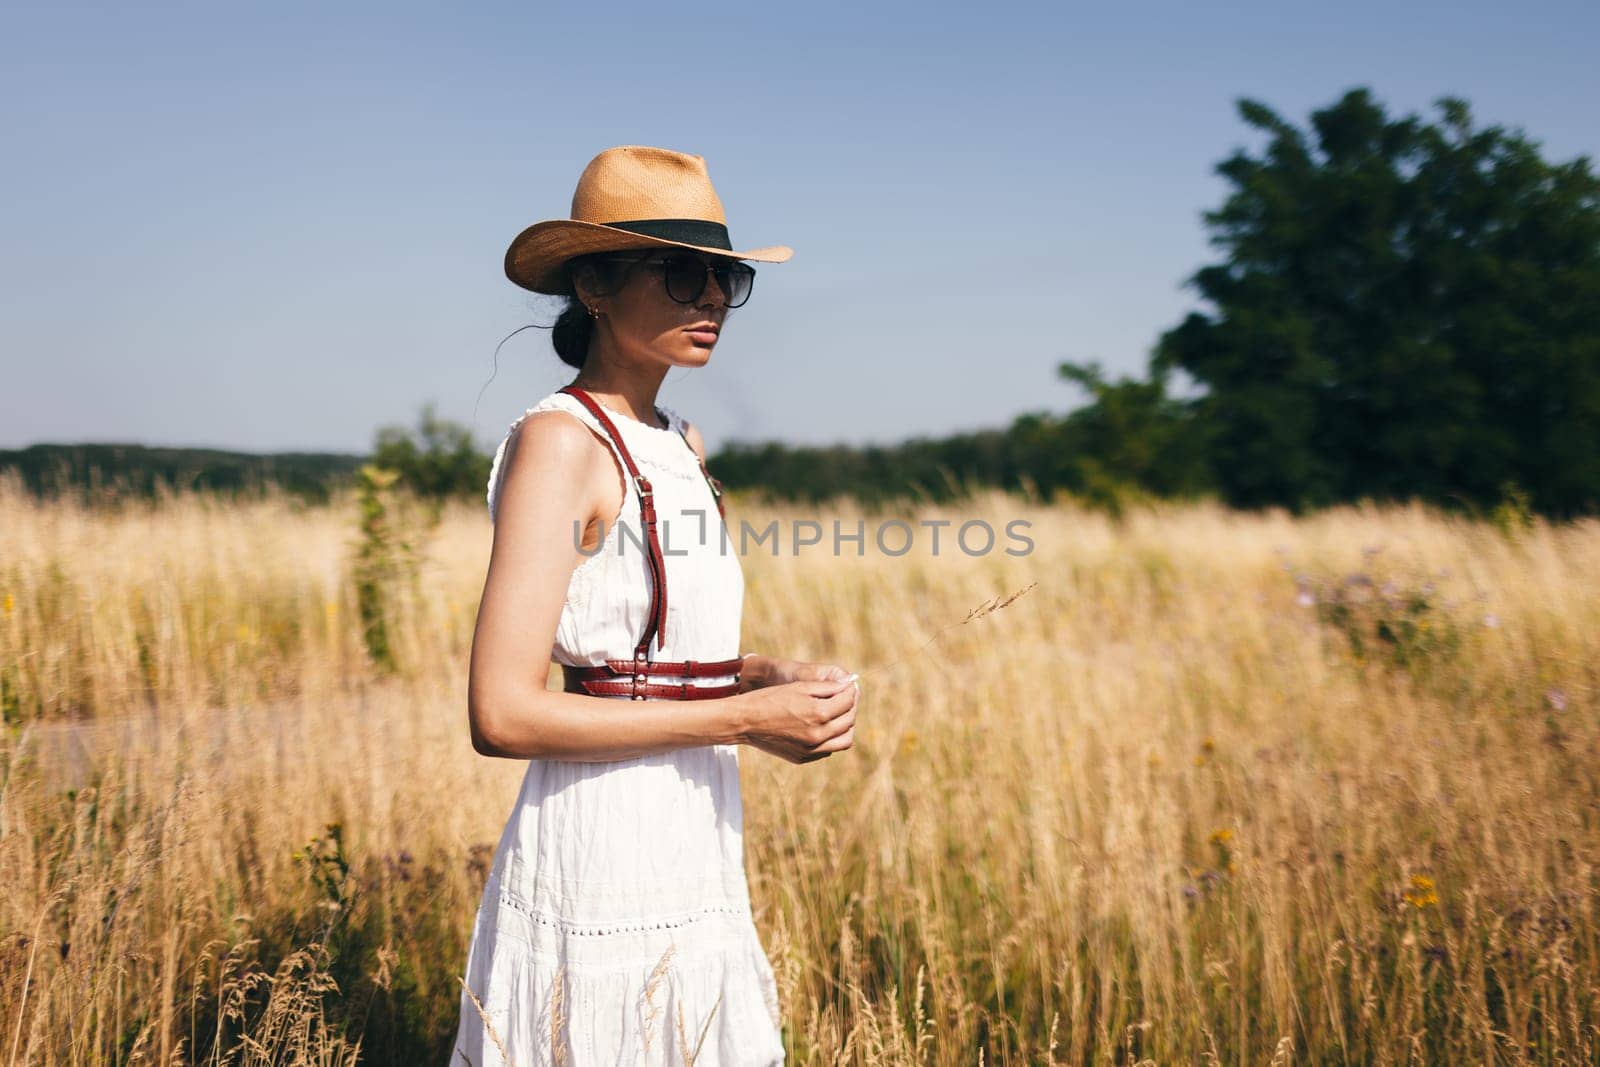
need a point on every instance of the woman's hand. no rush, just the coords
(803, 720)
(763, 671)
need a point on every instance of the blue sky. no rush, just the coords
(281, 226)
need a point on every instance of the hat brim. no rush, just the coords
(538, 256)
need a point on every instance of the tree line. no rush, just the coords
(1401, 308)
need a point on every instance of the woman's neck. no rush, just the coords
(631, 396)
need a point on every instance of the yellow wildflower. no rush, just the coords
(1421, 894)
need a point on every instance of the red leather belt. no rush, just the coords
(621, 677)
(617, 677)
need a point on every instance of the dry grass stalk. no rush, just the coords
(658, 975)
(988, 607)
(494, 1036)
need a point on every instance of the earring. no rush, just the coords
(594, 311)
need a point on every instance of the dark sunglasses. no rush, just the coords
(684, 276)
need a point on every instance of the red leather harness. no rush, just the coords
(620, 677)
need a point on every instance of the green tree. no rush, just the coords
(1404, 308)
(438, 459)
(1133, 436)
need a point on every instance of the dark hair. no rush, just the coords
(571, 334)
(573, 327)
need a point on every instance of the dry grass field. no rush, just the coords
(1218, 788)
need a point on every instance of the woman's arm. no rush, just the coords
(557, 474)
(571, 726)
(761, 671)
(756, 671)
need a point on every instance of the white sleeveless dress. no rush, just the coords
(615, 926)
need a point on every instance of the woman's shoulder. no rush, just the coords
(564, 436)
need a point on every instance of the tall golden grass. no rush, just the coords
(1220, 788)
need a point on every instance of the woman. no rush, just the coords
(615, 926)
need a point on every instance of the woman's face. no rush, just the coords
(641, 318)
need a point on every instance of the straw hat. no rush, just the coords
(629, 197)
